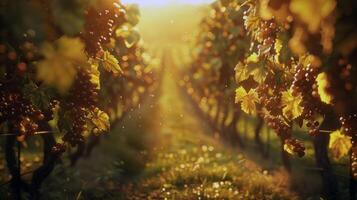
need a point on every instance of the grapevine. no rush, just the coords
(71, 70)
(288, 70)
(55, 72)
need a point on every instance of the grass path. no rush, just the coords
(188, 164)
(164, 151)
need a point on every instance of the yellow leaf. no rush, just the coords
(339, 144)
(278, 46)
(101, 120)
(241, 72)
(309, 60)
(95, 75)
(248, 100)
(240, 94)
(264, 10)
(61, 58)
(322, 85)
(253, 58)
(291, 105)
(259, 74)
(289, 148)
(280, 13)
(72, 49)
(296, 43)
(312, 12)
(111, 64)
(255, 68)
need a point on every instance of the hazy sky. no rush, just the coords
(165, 2)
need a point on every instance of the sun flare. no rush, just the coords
(164, 2)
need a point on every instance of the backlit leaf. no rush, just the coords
(312, 12)
(322, 85)
(111, 64)
(58, 68)
(253, 58)
(289, 148)
(277, 47)
(291, 105)
(101, 121)
(240, 94)
(296, 43)
(133, 14)
(95, 75)
(339, 144)
(241, 72)
(256, 68)
(248, 100)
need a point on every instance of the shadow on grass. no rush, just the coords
(120, 157)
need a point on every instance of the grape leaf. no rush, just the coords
(322, 85)
(277, 47)
(248, 100)
(259, 74)
(289, 148)
(264, 10)
(95, 75)
(277, 9)
(133, 14)
(132, 38)
(111, 64)
(58, 68)
(339, 144)
(101, 121)
(39, 96)
(130, 34)
(309, 60)
(253, 58)
(296, 43)
(256, 68)
(291, 105)
(312, 12)
(241, 72)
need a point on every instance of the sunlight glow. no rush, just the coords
(164, 2)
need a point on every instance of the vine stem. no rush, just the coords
(268, 142)
(36, 133)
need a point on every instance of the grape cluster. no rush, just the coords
(298, 147)
(58, 149)
(304, 79)
(349, 124)
(343, 87)
(100, 26)
(83, 98)
(22, 113)
(354, 161)
(265, 34)
(271, 103)
(279, 126)
(270, 94)
(17, 60)
(313, 126)
(304, 83)
(49, 113)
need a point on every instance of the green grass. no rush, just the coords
(163, 151)
(190, 171)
